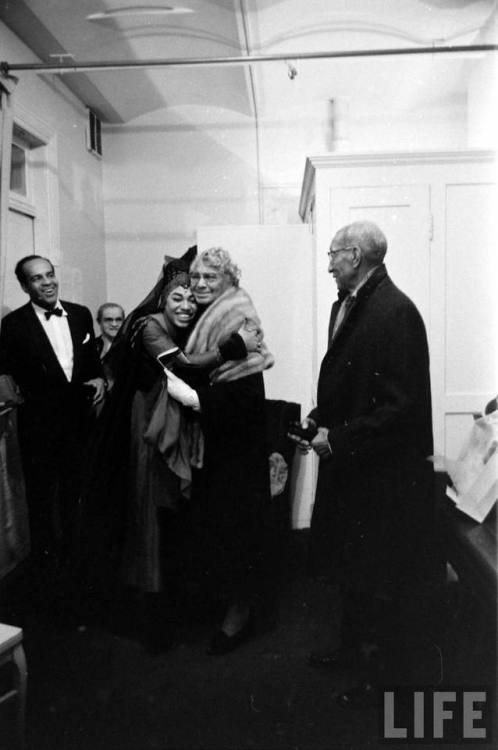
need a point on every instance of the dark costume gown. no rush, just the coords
(125, 480)
(152, 485)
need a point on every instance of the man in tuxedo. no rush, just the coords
(48, 346)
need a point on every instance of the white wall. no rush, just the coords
(165, 174)
(171, 171)
(482, 100)
(290, 135)
(76, 237)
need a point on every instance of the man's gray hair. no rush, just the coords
(368, 236)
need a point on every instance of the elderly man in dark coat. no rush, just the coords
(371, 527)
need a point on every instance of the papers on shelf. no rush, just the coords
(475, 473)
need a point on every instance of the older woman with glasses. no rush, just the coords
(232, 485)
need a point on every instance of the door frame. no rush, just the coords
(36, 132)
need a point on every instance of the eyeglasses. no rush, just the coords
(209, 278)
(333, 253)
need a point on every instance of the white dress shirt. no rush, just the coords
(59, 335)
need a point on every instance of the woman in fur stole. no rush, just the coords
(232, 485)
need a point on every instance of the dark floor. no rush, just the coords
(91, 690)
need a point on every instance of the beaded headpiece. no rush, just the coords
(176, 272)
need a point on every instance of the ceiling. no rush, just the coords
(78, 31)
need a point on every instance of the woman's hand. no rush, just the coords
(251, 335)
(179, 390)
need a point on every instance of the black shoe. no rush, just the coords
(341, 657)
(357, 698)
(221, 643)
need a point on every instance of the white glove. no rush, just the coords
(179, 390)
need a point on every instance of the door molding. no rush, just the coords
(382, 158)
(39, 135)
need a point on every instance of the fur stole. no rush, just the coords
(225, 316)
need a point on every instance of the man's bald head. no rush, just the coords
(368, 237)
(355, 251)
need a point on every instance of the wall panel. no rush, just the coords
(471, 290)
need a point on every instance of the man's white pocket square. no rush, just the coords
(87, 338)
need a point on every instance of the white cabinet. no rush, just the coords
(439, 213)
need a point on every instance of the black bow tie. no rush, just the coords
(56, 311)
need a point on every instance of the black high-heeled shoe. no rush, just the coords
(221, 643)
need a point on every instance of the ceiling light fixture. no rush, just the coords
(139, 10)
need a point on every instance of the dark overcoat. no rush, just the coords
(372, 513)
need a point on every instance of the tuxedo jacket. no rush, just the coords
(27, 354)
